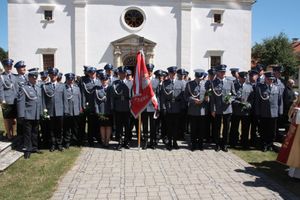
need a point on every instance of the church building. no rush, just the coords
(68, 34)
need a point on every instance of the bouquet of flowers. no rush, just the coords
(208, 92)
(102, 117)
(245, 106)
(228, 98)
(45, 115)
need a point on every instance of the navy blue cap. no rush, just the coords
(199, 73)
(277, 68)
(211, 71)
(20, 64)
(33, 72)
(181, 71)
(158, 72)
(108, 66)
(122, 69)
(234, 69)
(7, 62)
(243, 74)
(253, 72)
(91, 69)
(104, 77)
(186, 73)
(44, 73)
(269, 74)
(100, 71)
(205, 75)
(59, 75)
(85, 68)
(164, 73)
(260, 67)
(70, 76)
(52, 70)
(129, 72)
(172, 69)
(150, 67)
(221, 68)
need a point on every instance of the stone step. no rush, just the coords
(8, 158)
(4, 147)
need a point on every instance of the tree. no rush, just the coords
(276, 51)
(3, 54)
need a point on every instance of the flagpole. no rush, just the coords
(139, 132)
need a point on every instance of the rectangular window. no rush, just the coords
(215, 61)
(48, 14)
(218, 18)
(48, 60)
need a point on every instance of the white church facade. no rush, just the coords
(191, 34)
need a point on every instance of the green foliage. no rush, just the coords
(3, 54)
(276, 51)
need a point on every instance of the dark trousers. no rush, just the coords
(245, 131)
(19, 142)
(182, 128)
(55, 125)
(133, 123)
(198, 129)
(225, 120)
(147, 118)
(234, 134)
(172, 123)
(268, 130)
(31, 135)
(82, 125)
(71, 130)
(210, 128)
(93, 128)
(44, 136)
(163, 125)
(254, 122)
(123, 121)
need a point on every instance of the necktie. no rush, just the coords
(53, 85)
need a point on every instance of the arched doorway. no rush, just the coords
(130, 62)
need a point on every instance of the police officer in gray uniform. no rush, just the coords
(268, 107)
(72, 107)
(8, 97)
(89, 85)
(120, 98)
(172, 100)
(195, 94)
(53, 101)
(29, 105)
(223, 94)
(241, 107)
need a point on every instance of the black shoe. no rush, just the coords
(145, 145)
(270, 148)
(175, 145)
(264, 149)
(127, 146)
(26, 155)
(201, 147)
(60, 148)
(193, 148)
(153, 147)
(169, 146)
(119, 146)
(217, 148)
(67, 146)
(225, 149)
(52, 149)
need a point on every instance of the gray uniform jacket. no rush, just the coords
(29, 102)
(222, 90)
(154, 84)
(21, 80)
(172, 96)
(268, 101)
(102, 100)
(72, 100)
(8, 88)
(53, 99)
(88, 87)
(281, 87)
(245, 97)
(196, 91)
(120, 96)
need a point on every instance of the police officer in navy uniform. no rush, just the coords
(223, 94)
(88, 89)
(261, 77)
(148, 115)
(120, 98)
(172, 100)
(53, 101)
(268, 107)
(29, 105)
(241, 107)
(8, 97)
(195, 94)
(72, 107)
(109, 72)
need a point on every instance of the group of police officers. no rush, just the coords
(212, 107)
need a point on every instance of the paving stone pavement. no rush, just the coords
(161, 174)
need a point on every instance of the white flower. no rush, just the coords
(45, 110)
(229, 93)
(87, 103)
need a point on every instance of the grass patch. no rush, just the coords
(37, 177)
(266, 163)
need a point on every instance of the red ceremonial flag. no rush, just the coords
(142, 88)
